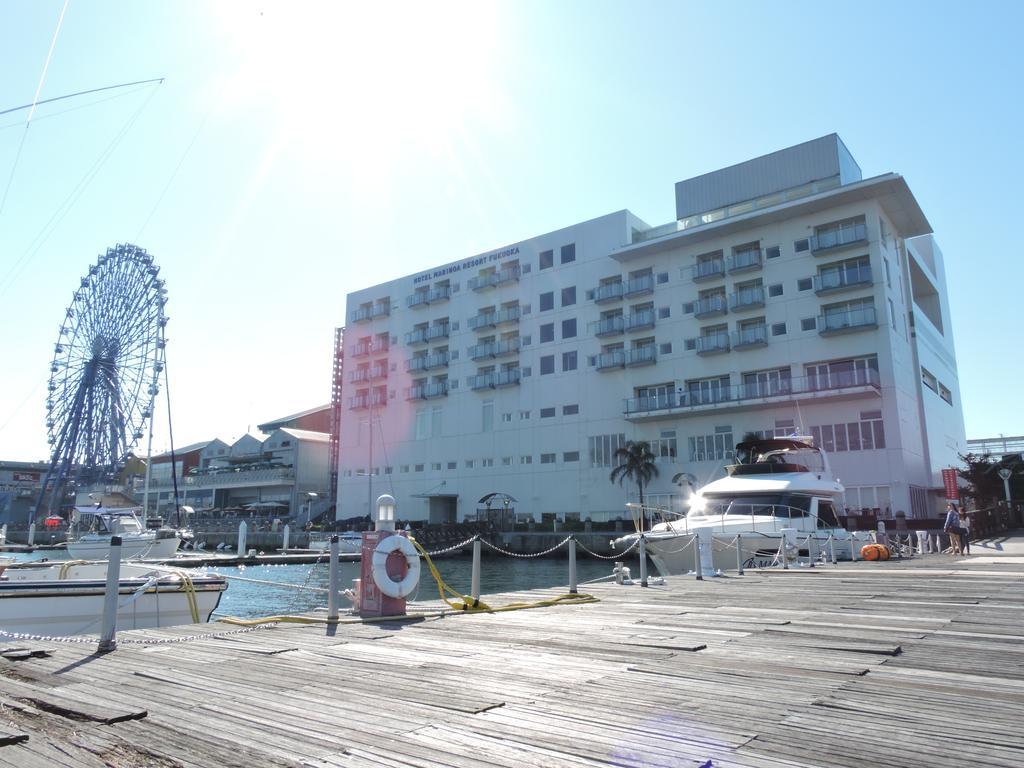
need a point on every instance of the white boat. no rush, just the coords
(137, 543)
(349, 542)
(60, 599)
(779, 489)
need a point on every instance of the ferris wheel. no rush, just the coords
(105, 372)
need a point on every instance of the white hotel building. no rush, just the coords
(791, 295)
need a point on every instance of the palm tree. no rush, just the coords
(637, 465)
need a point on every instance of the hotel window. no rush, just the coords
(436, 466)
(569, 296)
(569, 361)
(547, 301)
(547, 458)
(808, 324)
(665, 349)
(778, 329)
(486, 462)
(664, 312)
(662, 278)
(547, 259)
(418, 468)
(569, 328)
(602, 449)
(547, 413)
(506, 461)
(570, 410)
(547, 364)
(945, 394)
(929, 380)
(547, 332)
(523, 415)
(570, 456)
(487, 416)
(469, 463)
(801, 245)
(804, 284)
(506, 417)
(772, 252)
(775, 290)
(716, 447)
(451, 465)
(526, 459)
(568, 253)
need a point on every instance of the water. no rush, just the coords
(248, 599)
(245, 599)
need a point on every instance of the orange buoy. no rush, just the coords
(883, 552)
(870, 552)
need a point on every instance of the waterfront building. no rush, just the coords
(789, 296)
(20, 482)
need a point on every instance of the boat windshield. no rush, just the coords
(118, 524)
(786, 505)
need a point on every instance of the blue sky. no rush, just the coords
(298, 151)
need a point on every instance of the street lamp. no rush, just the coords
(385, 513)
(1005, 474)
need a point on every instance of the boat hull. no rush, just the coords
(146, 547)
(41, 603)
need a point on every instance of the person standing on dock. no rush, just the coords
(965, 532)
(952, 527)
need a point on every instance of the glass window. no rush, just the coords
(547, 332)
(568, 253)
(547, 259)
(569, 296)
(547, 301)
(808, 324)
(804, 284)
(571, 456)
(775, 290)
(547, 364)
(570, 410)
(547, 458)
(569, 328)
(569, 361)
(772, 252)
(547, 413)
(801, 245)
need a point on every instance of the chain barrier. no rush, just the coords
(626, 551)
(498, 549)
(452, 548)
(683, 548)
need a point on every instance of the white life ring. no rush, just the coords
(384, 582)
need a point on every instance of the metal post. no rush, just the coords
(242, 528)
(32, 534)
(332, 574)
(3, 534)
(832, 548)
(474, 582)
(853, 548)
(572, 565)
(697, 563)
(782, 552)
(643, 560)
(109, 627)
(739, 554)
(285, 535)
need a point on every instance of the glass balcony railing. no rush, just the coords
(713, 344)
(427, 391)
(418, 299)
(494, 349)
(755, 336)
(608, 292)
(493, 279)
(423, 298)
(362, 314)
(764, 390)
(640, 320)
(607, 361)
(640, 355)
(743, 260)
(366, 401)
(609, 326)
(380, 345)
(838, 237)
(839, 279)
(706, 270)
(426, 362)
(360, 350)
(710, 306)
(747, 298)
(639, 285)
(842, 321)
(492, 379)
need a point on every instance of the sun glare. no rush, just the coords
(373, 81)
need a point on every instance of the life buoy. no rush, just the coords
(384, 582)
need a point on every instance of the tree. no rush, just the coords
(983, 484)
(637, 464)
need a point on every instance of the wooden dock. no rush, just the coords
(918, 663)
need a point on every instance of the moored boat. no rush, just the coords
(137, 543)
(67, 598)
(780, 499)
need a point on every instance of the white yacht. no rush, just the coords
(349, 542)
(779, 489)
(137, 543)
(48, 598)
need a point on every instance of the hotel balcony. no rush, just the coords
(427, 391)
(365, 314)
(360, 402)
(427, 362)
(492, 319)
(834, 281)
(494, 349)
(380, 345)
(367, 374)
(423, 335)
(360, 350)
(839, 238)
(747, 298)
(640, 320)
(640, 356)
(673, 405)
(607, 361)
(423, 298)
(494, 379)
(710, 306)
(708, 270)
(494, 279)
(712, 345)
(608, 292)
(743, 261)
(849, 321)
(747, 338)
(639, 286)
(609, 326)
